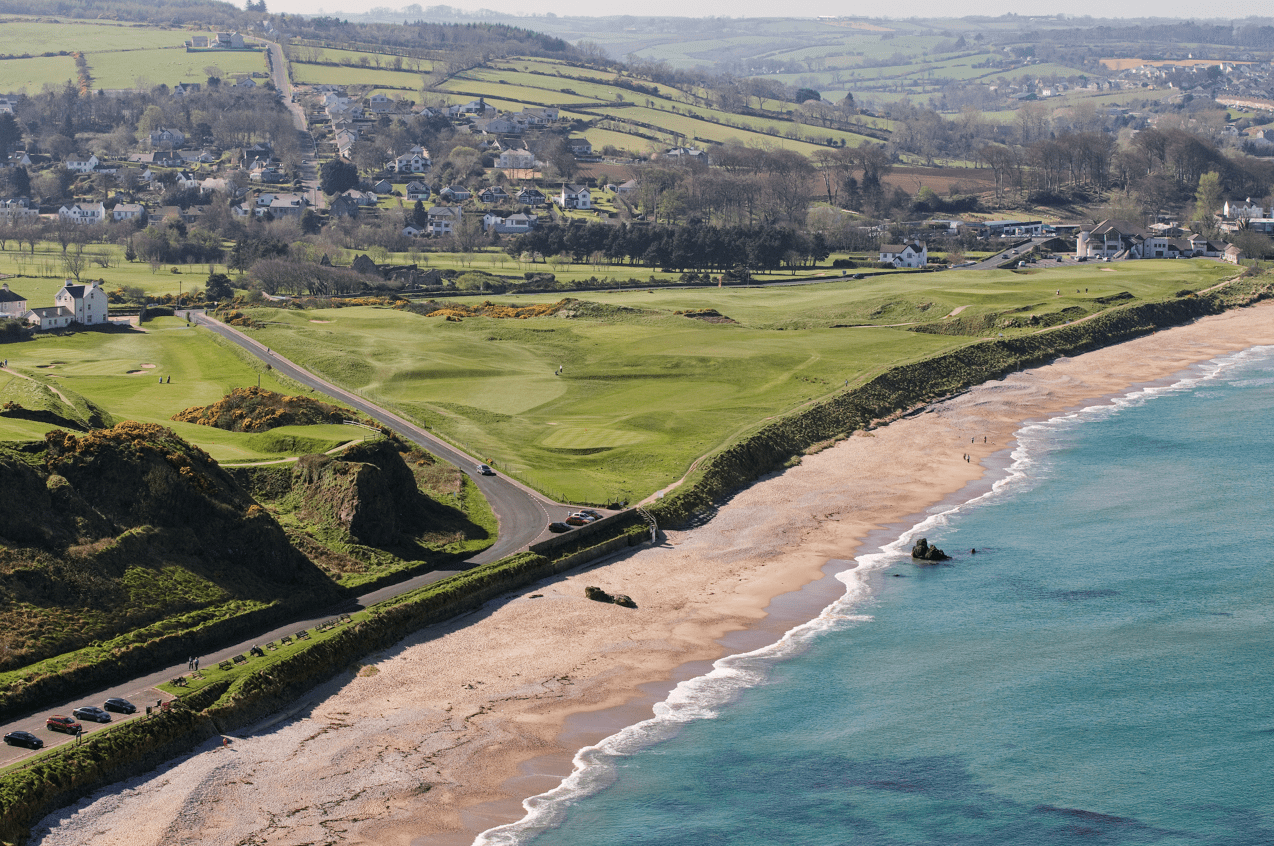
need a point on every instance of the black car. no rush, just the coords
(558, 528)
(23, 738)
(120, 706)
(91, 713)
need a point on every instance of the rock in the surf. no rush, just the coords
(922, 551)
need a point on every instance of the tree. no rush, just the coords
(803, 94)
(10, 133)
(218, 287)
(337, 175)
(1207, 196)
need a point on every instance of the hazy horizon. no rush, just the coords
(1172, 9)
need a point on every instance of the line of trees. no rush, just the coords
(691, 246)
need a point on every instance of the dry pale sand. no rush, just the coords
(443, 735)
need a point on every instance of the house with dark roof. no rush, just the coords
(914, 254)
(1112, 239)
(343, 206)
(494, 194)
(575, 197)
(12, 304)
(417, 191)
(532, 197)
(443, 220)
(454, 193)
(87, 303)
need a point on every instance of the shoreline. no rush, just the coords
(444, 735)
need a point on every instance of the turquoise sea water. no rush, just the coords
(1099, 673)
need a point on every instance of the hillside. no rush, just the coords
(105, 533)
(254, 409)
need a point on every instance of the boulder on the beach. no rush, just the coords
(598, 595)
(922, 551)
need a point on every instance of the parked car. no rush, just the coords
(23, 738)
(588, 518)
(91, 712)
(557, 528)
(485, 470)
(576, 520)
(63, 724)
(592, 512)
(120, 706)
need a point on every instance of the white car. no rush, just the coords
(485, 470)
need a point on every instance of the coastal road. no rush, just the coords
(523, 515)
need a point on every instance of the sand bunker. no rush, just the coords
(320, 321)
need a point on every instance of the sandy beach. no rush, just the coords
(442, 736)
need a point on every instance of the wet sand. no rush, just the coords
(443, 735)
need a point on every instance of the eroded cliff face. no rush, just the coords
(106, 531)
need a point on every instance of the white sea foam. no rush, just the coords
(702, 697)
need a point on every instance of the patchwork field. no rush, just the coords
(645, 391)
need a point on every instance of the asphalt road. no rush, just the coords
(523, 516)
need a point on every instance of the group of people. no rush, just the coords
(193, 664)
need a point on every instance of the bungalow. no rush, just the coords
(532, 197)
(82, 165)
(49, 317)
(497, 126)
(687, 154)
(246, 82)
(579, 147)
(87, 303)
(128, 211)
(417, 191)
(168, 138)
(163, 158)
(443, 220)
(914, 254)
(514, 224)
(515, 160)
(362, 198)
(454, 194)
(383, 186)
(216, 185)
(19, 158)
(410, 231)
(181, 89)
(86, 213)
(575, 197)
(494, 194)
(284, 205)
(627, 187)
(12, 304)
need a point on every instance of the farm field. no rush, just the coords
(119, 371)
(119, 55)
(302, 53)
(307, 74)
(646, 391)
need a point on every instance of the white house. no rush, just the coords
(17, 210)
(1111, 239)
(82, 165)
(575, 197)
(86, 213)
(514, 224)
(165, 137)
(12, 304)
(443, 220)
(415, 160)
(187, 180)
(515, 160)
(87, 303)
(128, 211)
(50, 317)
(914, 254)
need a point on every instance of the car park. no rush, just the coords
(23, 738)
(91, 712)
(119, 706)
(63, 724)
(485, 470)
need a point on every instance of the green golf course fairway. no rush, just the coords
(644, 392)
(120, 372)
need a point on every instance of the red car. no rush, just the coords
(63, 724)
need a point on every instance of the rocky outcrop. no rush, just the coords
(922, 551)
(598, 595)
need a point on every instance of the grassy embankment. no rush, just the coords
(645, 392)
